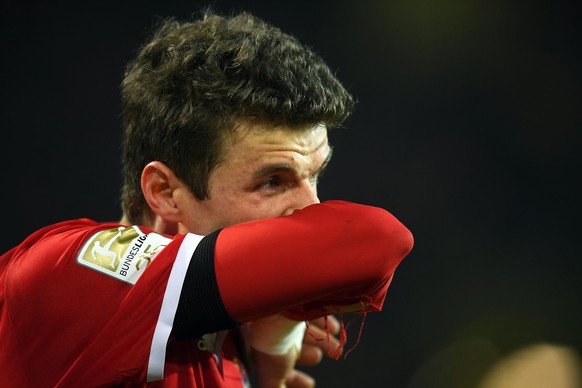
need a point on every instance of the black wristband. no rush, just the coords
(201, 310)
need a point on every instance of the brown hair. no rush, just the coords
(194, 81)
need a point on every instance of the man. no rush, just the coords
(223, 250)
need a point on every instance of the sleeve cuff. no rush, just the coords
(200, 309)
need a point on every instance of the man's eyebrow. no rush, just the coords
(272, 168)
(278, 167)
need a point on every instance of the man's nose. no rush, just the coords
(304, 195)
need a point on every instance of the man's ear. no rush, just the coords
(158, 184)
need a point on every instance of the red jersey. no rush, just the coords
(89, 304)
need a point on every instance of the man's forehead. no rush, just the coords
(253, 152)
(265, 168)
(260, 137)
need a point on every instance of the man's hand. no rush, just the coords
(315, 341)
(277, 371)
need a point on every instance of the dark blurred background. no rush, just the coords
(467, 129)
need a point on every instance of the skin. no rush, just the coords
(263, 174)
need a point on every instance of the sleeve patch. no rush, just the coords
(122, 253)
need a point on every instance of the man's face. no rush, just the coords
(264, 174)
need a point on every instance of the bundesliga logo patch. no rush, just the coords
(123, 253)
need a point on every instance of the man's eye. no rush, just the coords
(271, 183)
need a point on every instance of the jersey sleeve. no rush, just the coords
(85, 304)
(89, 304)
(330, 257)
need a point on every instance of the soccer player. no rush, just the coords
(224, 251)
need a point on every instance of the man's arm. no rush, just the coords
(330, 257)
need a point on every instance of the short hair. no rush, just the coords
(194, 81)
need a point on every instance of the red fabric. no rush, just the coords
(334, 256)
(63, 324)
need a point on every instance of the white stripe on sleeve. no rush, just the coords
(169, 305)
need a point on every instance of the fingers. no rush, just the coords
(318, 341)
(320, 338)
(332, 323)
(310, 355)
(273, 370)
(298, 379)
